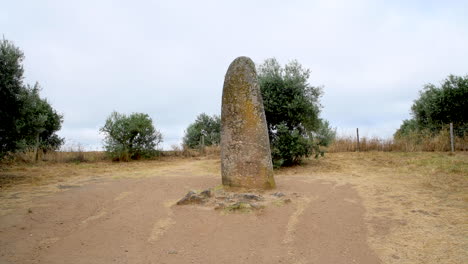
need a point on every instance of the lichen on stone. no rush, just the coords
(245, 147)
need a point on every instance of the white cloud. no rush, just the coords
(168, 58)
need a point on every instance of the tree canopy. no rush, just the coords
(438, 106)
(208, 126)
(39, 121)
(130, 137)
(26, 120)
(292, 109)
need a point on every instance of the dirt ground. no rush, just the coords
(346, 208)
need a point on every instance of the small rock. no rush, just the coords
(287, 200)
(278, 194)
(220, 206)
(190, 198)
(241, 206)
(249, 196)
(256, 206)
(421, 212)
(172, 252)
(206, 193)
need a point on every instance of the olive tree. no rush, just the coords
(292, 110)
(207, 126)
(27, 120)
(438, 106)
(130, 137)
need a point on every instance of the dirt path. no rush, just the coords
(134, 220)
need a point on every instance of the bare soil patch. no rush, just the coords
(349, 208)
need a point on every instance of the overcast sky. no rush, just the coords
(168, 58)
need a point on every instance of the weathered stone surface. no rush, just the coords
(192, 198)
(245, 147)
(249, 196)
(207, 193)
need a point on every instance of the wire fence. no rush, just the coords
(445, 140)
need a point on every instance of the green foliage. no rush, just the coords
(408, 127)
(288, 146)
(292, 111)
(27, 120)
(39, 121)
(11, 84)
(130, 137)
(438, 106)
(324, 135)
(209, 126)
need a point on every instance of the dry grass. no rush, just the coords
(184, 151)
(70, 155)
(413, 143)
(77, 155)
(349, 144)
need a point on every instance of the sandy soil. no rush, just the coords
(348, 209)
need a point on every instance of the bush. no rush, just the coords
(130, 137)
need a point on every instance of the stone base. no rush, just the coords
(229, 200)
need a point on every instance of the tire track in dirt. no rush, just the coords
(301, 204)
(162, 225)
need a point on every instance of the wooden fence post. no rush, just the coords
(451, 138)
(357, 133)
(203, 143)
(36, 148)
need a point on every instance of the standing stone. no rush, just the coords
(245, 147)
